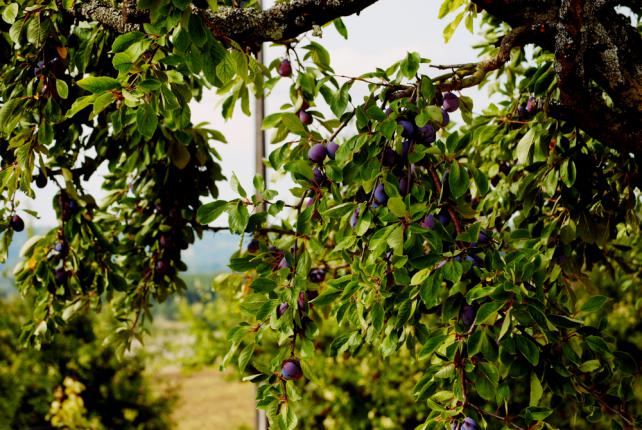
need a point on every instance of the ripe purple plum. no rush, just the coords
(405, 149)
(468, 314)
(380, 195)
(283, 307)
(331, 148)
(445, 118)
(484, 237)
(305, 117)
(443, 217)
(408, 128)
(318, 177)
(317, 153)
(162, 267)
(291, 370)
(61, 247)
(429, 222)
(531, 105)
(16, 223)
(41, 180)
(253, 246)
(316, 275)
(404, 186)
(285, 68)
(427, 134)
(60, 275)
(451, 102)
(355, 217)
(283, 264)
(469, 424)
(389, 157)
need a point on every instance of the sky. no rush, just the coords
(380, 35)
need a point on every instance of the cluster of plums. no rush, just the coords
(528, 109)
(317, 154)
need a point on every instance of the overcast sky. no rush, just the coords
(379, 36)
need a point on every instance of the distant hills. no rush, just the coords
(209, 255)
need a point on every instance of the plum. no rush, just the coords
(429, 222)
(388, 111)
(451, 102)
(291, 370)
(443, 217)
(316, 275)
(484, 237)
(16, 223)
(355, 217)
(41, 180)
(301, 300)
(305, 117)
(283, 264)
(253, 246)
(469, 424)
(61, 247)
(283, 307)
(408, 128)
(60, 275)
(468, 314)
(389, 157)
(162, 267)
(531, 105)
(318, 177)
(331, 148)
(446, 118)
(380, 195)
(427, 134)
(522, 112)
(404, 186)
(317, 153)
(285, 68)
(405, 149)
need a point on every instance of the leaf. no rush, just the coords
(536, 390)
(80, 104)
(124, 41)
(197, 30)
(179, 154)
(10, 13)
(529, 349)
(62, 89)
(594, 303)
(238, 218)
(341, 27)
(98, 84)
(488, 310)
(397, 206)
(410, 65)
(458, 180)
(432, 344)
(146, 121)
(524, 146)
(590, 366)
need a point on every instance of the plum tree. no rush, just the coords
(463, 245)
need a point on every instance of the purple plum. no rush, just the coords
(451, 102)
(283, 307)
(429, 222)
(305, 117)
(316, 275)
(283, 264)
(469, 424)
(427, 134)
(291, 370)
(446, 118)
(60, 275)
(389, 158)
(404, 186)
(531, 105)
(331, 148)
(405, 149)
(355, 217)
(408, 128)
(16, 223)
(253, 246)
(317, 153)
(41, 180)
(285, 68)
(380, 195)
(318, 177)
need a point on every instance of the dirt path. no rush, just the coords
(209, 401)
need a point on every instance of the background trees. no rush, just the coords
(484, 254)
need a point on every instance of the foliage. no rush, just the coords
(486, 255)
(74, 381)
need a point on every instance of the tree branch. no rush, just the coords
(248, 27)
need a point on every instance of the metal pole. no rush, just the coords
(261, 422)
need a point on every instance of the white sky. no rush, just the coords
(379, 36)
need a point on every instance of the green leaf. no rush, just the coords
(594, 303)
(179, 154)
(397, 206)
(80, 104)
(124, 41)
(524, 146)
(410, 65)
(536, 390)
(98, 84)
(341, 27)
(146, 120)
(529, 349)
(62, 89)
(458, 180)
(238, 218)
(488, 311)
(197, 30)
(590, 366)
(10, 13)
(427, 88)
